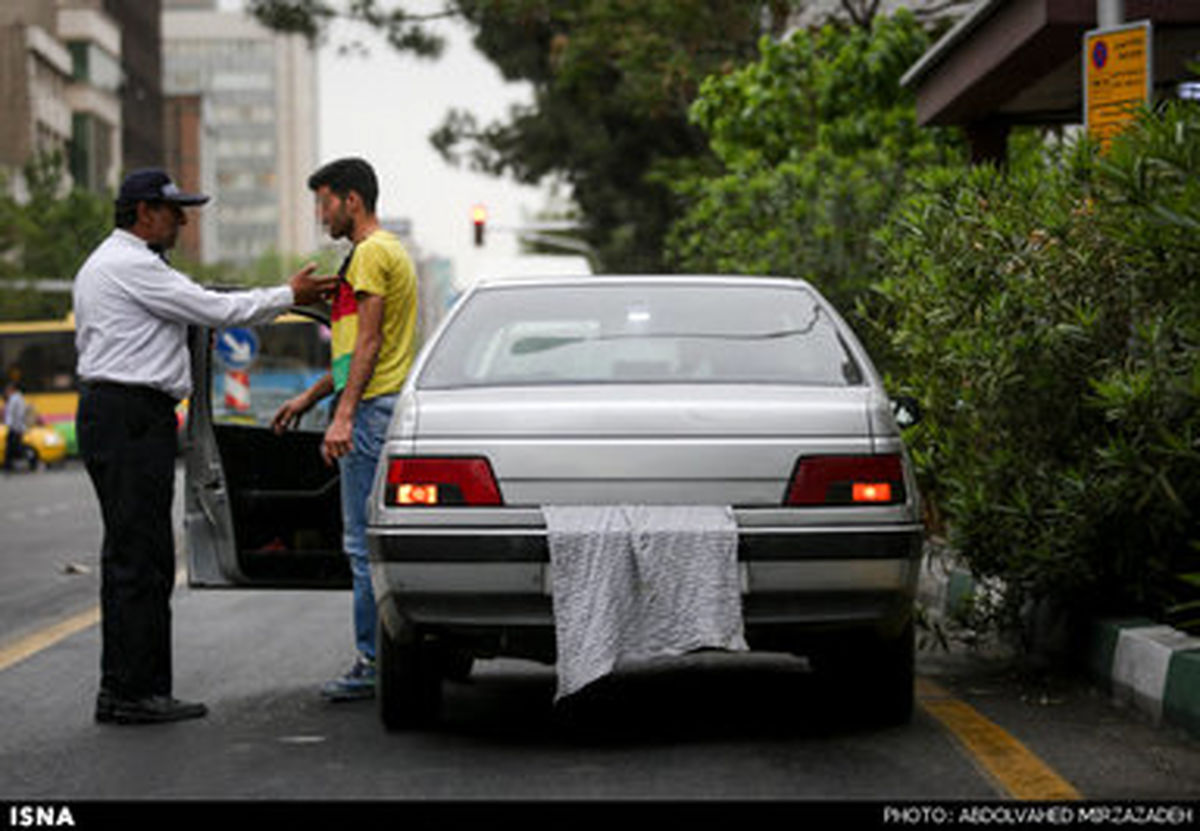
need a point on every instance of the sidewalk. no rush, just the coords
(1152, 667)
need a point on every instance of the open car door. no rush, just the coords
(261, 510)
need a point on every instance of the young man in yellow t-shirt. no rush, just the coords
(374, 325)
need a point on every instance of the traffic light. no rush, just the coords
(479, 220)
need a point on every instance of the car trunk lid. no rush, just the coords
(651, 444)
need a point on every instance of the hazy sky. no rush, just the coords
(383, 106)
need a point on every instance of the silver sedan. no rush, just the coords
(750, 397)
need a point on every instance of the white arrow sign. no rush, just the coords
(237, 348)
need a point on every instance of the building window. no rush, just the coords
(92, 65)
(222, 81)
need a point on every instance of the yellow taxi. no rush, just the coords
(41, 444)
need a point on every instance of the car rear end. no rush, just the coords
(588, 411)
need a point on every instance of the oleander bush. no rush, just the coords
(1048, 318)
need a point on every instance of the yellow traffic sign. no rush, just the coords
(1116, 77)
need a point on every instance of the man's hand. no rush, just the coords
(288, 416)
(307, 288)
(339, 439)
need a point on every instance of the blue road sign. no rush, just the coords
(237, 348)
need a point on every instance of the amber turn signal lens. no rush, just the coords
(872, 492)
(409, 494)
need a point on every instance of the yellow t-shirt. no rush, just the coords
(378, 265)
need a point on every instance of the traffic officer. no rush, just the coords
(132, 310)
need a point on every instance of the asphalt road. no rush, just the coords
(49, 547)
(754, 727)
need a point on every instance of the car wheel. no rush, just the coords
(409, 685)
(875, 677)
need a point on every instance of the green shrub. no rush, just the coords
(1048, 317)
(813, 145)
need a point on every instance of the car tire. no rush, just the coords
(874, 676)
(408, 682)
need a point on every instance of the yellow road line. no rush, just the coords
(1012, 766)
(32, 644)
(44, 638)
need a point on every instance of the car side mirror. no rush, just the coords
(907, 411)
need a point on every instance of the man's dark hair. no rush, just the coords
(125, 214)
(345, 175)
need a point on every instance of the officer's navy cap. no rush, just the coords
(154, 185)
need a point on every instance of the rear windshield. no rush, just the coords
(627, 333)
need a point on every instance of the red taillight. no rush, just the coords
(440, 482)
(847, 480)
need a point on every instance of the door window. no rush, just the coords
(256, 369)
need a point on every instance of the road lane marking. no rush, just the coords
(42, 511)
(45, 638)
(31, 644)
(1012, 767)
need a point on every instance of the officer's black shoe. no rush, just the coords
(104, 707)
(154, 709)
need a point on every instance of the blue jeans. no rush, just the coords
(371, 421)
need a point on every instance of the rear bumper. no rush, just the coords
(755, 545)
(492, 586)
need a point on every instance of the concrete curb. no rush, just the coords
(1143, 664)
(1153, 667)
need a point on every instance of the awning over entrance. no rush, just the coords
(1018, 62)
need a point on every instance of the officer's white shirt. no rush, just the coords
(132, 311)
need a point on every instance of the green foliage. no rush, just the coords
(613, 81)
(26, 304)
(403, 30)
(270, 268)
(47, 237)
(1049, 320)
(815, 141)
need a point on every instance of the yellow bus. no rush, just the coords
(40, 355)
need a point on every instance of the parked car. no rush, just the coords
(748, 393)
(41, 445)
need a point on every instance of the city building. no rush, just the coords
(242, 112)
(94, 41)
(190, 138)
(80, 78)
(141, 78)
(35, 71)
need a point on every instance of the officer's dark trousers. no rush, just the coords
(127, 440)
